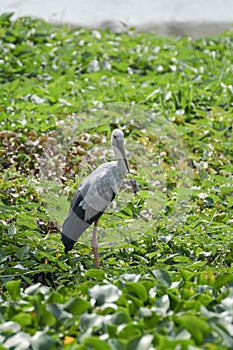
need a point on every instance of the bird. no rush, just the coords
(94, 195)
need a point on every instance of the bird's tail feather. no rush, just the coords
(72, 229)
(68, 243)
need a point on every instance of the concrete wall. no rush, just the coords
(195, 17)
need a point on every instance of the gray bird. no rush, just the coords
(94, 195)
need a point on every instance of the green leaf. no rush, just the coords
(224, 334)
(138, 290)
(223, 279)
(55, 297)
(37, 288)
(13, 288)
(197, 326)
(105, 293)
(12, 230)
(23, 253)
(77, 306)
(141, 343)
(47, 317)
(95, 274)
(19, 341)
(10, 326)
(96, 344)
(42, 341)
(23, 319)
(162, 277)
(129, 331)
(163, 303)
(120, 317)
(171, 344)
(91, 320)
(5, 18)
(58, 312)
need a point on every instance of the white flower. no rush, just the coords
(96, 34)
(146, 214)
(93, 66)
(36, 99)
(107, 65)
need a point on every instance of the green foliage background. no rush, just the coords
(157, 292)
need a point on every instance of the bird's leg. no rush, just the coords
(94, 244)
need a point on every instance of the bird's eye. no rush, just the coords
(114, 136)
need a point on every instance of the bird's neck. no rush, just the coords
(121, 167)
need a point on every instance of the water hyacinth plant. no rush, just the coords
(168, 284)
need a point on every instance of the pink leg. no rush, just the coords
(94, 245)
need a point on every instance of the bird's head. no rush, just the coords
(118, 146)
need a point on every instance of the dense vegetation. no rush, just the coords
(166, 282)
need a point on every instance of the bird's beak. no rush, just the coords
(126, 164)
(122, 150)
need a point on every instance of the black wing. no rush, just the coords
(76, 224)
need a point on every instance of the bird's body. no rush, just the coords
(94, 195)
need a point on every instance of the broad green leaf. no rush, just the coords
(137, 290)
(225, 335)
(12, 327)
(95, 274)
(120, 317)
(223, 279)
(58, 312)
(19, 341)
(207, 277)
(91, 320)
(55, 297)
(23, 253)
(76, 306)
(105, 293)
(23, 319)
(37, 288)
(162, 277)
(141, 343)
(42, 341)
(169, 344)
(96, 343)
(197, 326)
(46, 317)
(163, 303)
(13, 288)
(129, 331)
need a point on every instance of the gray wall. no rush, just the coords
(195, 17)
